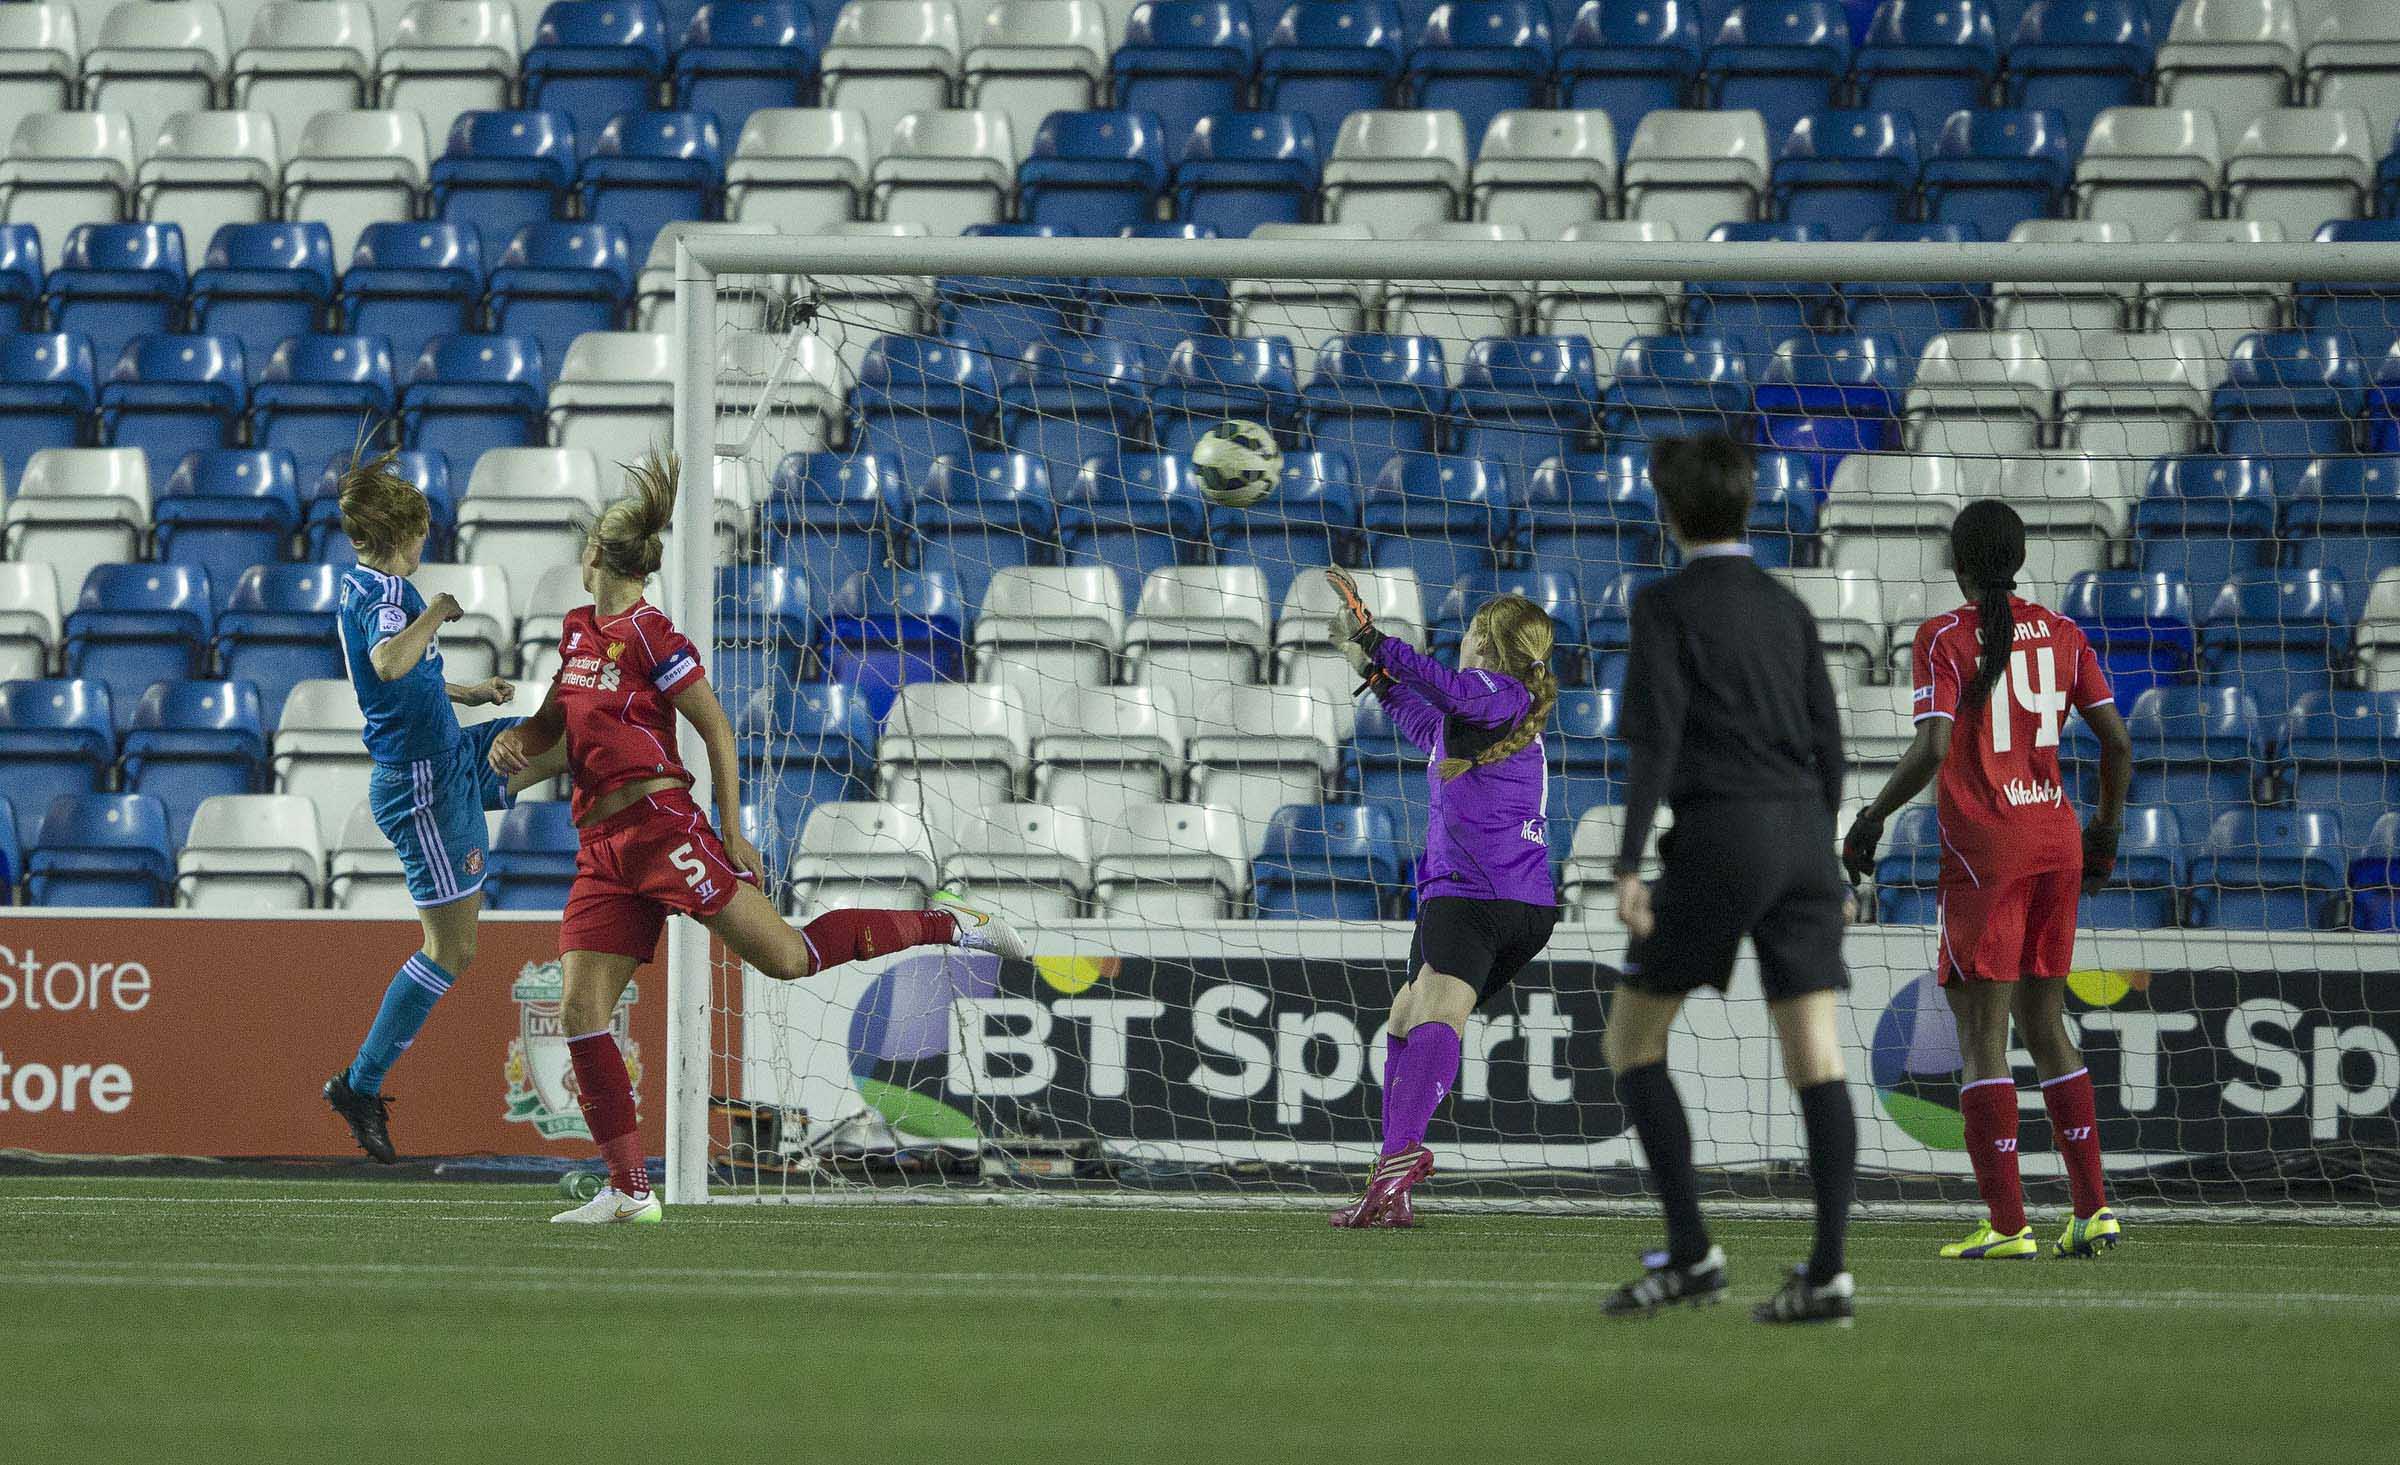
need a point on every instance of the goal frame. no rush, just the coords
(688, 588)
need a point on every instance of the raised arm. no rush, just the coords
(1479, 697)
(1418, 720)
(400, 650)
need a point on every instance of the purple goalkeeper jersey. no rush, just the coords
(1486, 831)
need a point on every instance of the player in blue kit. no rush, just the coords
(431, 783)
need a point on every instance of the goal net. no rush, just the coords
(979, 626)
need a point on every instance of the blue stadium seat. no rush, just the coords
(1825, 397)
(1239, 170)
(1911, 314)
(2344, 515)
(2383, 401)
(21, 276)
(503, 171)
(2271, 870)
(321, 525)
(259, 283)
(1326, 862)
(1442, 516)
(114, 282)
(1595, 511)
(12, 854)
(1135, 513)
(137, 624)
(2192, 751)
(1315, 523)
(985, 512)
(1208, 378)
(1376, 397)
(830, 515)
(742, 55)
(2368, 313)
(1781, 58)
(2080, 57)
(1587, 761)
(2145, 889)
(1004, 315)
(1629, 58)
(170, 395)
(888, 628)
(533, 859)
(2290, 394)
(1753, 317)
(1991, 171)
(1557, 591)
(766, 631)
(1388, 773)
(1070, 400)
(1847, 172)
(2208, 518)
(920, 397)
(1524, 400)
(802, 744)
(1183, 59)
(278, 629)
(2374, 878)
(325, 396)
(1326, 59)
(1157, 313)
(57, 737)
(48, 393)
(1928, 59)
(2278, 638)
(1096, 172)
(191, 741)
(101, 850)
(412, 283)
(1675, 386)
(559, 280)
(2141, 626)
(1783, 515)
(1480, 58)
(2340, 750)
(593, 59)
(226, 509)
(469, 393)
(650, 169)
(1908, 875)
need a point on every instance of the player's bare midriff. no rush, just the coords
(616, 800)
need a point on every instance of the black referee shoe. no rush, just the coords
(368, 1115)
(1797, 1301)
(1668, 1285)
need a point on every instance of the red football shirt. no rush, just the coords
(2003, 807)
(614, 682)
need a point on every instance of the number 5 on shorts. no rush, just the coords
(682, 858)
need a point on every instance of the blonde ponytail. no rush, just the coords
(630, 533)
(1522, 635)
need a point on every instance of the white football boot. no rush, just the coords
(981, 930)
(612, 1206)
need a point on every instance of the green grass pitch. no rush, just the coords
(328, 1320)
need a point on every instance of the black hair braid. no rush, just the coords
(1987, 545)
(1999, 633)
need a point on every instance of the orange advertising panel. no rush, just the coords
(187, 1036)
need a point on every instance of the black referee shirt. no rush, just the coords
(1727, 696)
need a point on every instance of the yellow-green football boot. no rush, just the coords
(1987, 1245)
(2088, 1236)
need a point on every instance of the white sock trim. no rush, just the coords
(2062, 1078)
(600, 1033)
(1981, 1082)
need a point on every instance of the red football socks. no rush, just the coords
(1990, 1106)
(605, 1089)
(837, 937)
(2075, 1129)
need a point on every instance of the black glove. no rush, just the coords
(2099, 855)
(1858, 846)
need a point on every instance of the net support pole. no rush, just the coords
(691, 594)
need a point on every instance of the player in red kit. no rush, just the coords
(648, 849)
(1994, 681)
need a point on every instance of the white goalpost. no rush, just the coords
(979, 627)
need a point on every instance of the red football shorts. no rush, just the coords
(656, 855)
(2022, 928)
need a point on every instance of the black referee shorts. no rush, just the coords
(1735, 869)
(1483, 943)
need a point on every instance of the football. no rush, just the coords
(1237, 463)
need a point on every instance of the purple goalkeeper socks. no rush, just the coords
(1420, 1070)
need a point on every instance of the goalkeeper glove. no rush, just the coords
(1858, 846)
(2099, 855)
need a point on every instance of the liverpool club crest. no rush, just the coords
(541, 1075)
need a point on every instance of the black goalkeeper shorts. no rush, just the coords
(1483, 943)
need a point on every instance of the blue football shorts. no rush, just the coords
(432, 811)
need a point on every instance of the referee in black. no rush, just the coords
(1731, 720)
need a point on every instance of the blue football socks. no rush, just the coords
(406, 1004)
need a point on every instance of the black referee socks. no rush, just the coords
(1648, 1094)
(1832, 1170)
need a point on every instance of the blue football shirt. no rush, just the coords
(408, 717)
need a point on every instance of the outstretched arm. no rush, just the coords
(1478, 697)
(697, 702)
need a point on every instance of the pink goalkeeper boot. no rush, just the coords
(1385, 1203)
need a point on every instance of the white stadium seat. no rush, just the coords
(744, 302)
(1589, 890)
(1256, 749)
(1101, 749)
(809, 381)
(79, 507)
(888, 58)
(251, 853)
(319, 750)
(1546, 171)
(1980, 393)
(41, 56)
(306, 57)
(800, 169)
(556, 592)
(615, 395)
(482, 641)
(1044, 627)
(2073, 505)
(1696, 170)
(1609, 313)
(1851, 620)
(947, 169)
(862, 854)
(1308, 311)
(445, 57)
(363, 875)
(209, 169)
(528, 506)
(1035, 57)
(1458, 310)
(2301, 166)
(1396, 169)
(2136, 396)
(2353, 60)
(1031, 860)
(154, 58)
(954, 752)
(1172, 863)
(857, 310)
(1888, 519)
(2151, 167)
(2236, 58)
(29, 619)
(2223, 312)
(352, 169)
(2379, 634)
(1198, 631)
(1302, 659)
(67, 168)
